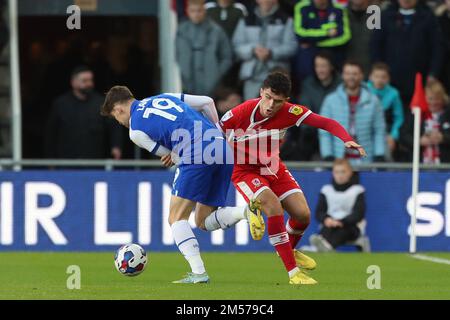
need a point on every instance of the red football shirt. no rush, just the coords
(256, 140)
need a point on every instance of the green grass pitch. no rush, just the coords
(234, 276)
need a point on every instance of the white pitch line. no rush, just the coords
(432, 259)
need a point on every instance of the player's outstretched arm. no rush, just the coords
(335, 128)
(204, 104)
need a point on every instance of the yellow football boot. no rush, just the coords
(255, 219)
(303, 261)
(301, 278)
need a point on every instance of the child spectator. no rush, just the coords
(340, 209)
(391, 102)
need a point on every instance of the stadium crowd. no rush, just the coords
(340, 68)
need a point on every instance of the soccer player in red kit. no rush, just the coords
(256, 128)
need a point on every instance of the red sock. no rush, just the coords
(295, 230)
(278, 237)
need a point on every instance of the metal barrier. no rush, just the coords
(109, 164)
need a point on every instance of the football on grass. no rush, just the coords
(130, 259)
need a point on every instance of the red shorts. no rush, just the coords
(250, 183)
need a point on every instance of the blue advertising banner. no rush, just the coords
(97, 210)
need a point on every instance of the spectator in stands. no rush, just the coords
(443, 13)
(409, 42)
(203, 51)
(226, 99)
(75, 128)
(286, 5)
(360, 112)
(226, 13)
(324, 81)
(358, 48)
(302, 142)
(264, 40)
(435, 140)
(391, 102)
(319, 25)
(340, 209)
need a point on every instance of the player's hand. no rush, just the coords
(167, 160)
(328, 222)
(391, 143)
(331, 223)
(354, 145)
(262, 53)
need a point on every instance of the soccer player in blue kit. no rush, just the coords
(181, 129)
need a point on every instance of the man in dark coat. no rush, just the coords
(409, 42)
(75, 128)
(358, 47)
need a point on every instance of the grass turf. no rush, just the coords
(234, 276)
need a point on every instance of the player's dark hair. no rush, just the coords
(351, 62)
(279, 83)
(78, 70)
(117, 94)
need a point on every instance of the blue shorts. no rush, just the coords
(206, 184)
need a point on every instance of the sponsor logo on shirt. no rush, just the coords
(297, 110)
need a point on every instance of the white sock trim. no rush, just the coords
(293, 272)
(279, 238)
